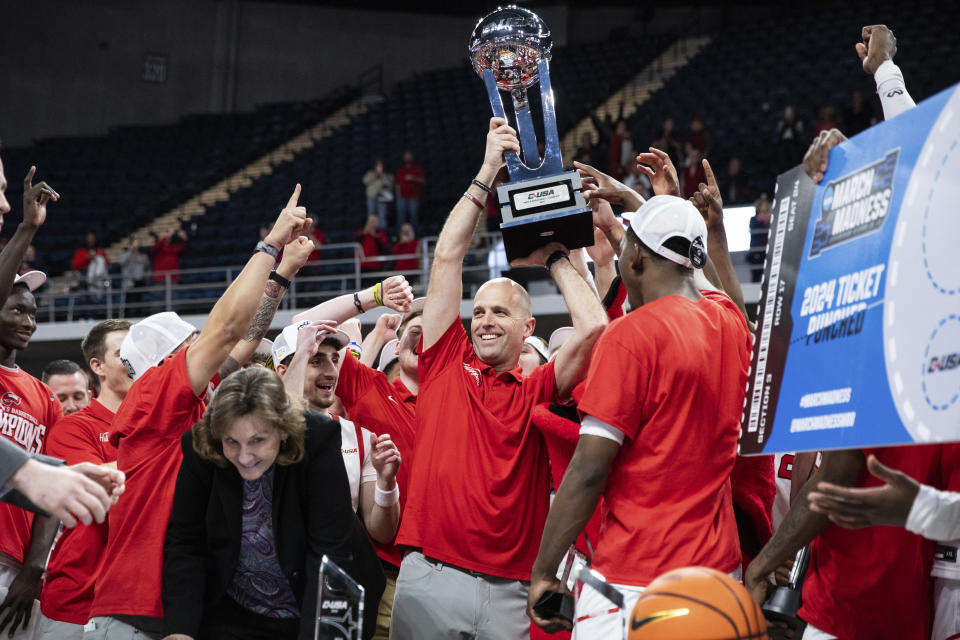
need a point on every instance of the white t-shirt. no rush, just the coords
(357, 473)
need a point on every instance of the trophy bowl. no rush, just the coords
(510, 41)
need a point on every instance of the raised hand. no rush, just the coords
(708, 201)
(879, 44)
(662, 173)
(295, 255)
(888, 504)
(396, 293)
(500, 139)
(387, 325)
(386, 459)
(292, 222)
(597, 184)
(601, 252)
(35, 199)
(539, 257)
(817, 156)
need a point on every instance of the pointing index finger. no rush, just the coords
(28, 181)
(296, 196)
(711, 180)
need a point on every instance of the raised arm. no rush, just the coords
(588, 315)
(877, 50)
(230, 318)
(384, 331)
(295, 255)
(35, 199)
(708, 201)
(446, 274)
(394, 293)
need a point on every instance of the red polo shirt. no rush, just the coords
(28, 412)
(383, 407)
(71, 574)
(158, 409)
(874, 582)
(480, 487)
(671, 376)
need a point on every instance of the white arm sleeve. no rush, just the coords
(591, 426)
(892, 90)
(935, 515)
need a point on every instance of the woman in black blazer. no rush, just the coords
(261, 496)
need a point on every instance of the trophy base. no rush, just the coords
(571, 229)
(783, 606)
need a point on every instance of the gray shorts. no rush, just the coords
(436, 600)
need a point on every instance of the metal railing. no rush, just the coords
(197, 290)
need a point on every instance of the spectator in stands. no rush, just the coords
(698, 135)
(264, 460)
(373, 243)
(759, 230)
(379, 187)
(92, 262)
(135, 265)
(621, 150)
(858, 116)
(166, 254)
(69, 384)
(410, 179)
(586, 150)
(691, 172)
(637, 180)
(407, 244)
(668, 142)
(736, 185)
(788, 137)
(826, 121)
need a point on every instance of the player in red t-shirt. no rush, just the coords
(28, 411)
(479, 486)
(83, 437)
(661, 449)
(409, 182)
(166, 399)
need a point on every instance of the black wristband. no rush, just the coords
(279, 279)
(356, 301)
(481, 185)
(268, 249)
(553, 257)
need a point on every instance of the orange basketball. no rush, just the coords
(696, 603)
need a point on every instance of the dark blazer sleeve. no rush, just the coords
(333, 527)
(184, 549)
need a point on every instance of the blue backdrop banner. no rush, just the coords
(858, 331)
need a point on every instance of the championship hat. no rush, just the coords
(673, 228)
(286, 343)
(539, 346)
(557, 338)
(33, 279)
(151, 340)
(388, 354)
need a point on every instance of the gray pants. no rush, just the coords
(108, 628)
(436, 601)
(49, 629)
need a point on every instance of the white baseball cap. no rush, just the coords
(673, 228)
(539, 346)
(33, 279)
(388, 354)
(151, 340)
(286, 342)
(557, 338)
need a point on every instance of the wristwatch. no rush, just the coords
(269, 249)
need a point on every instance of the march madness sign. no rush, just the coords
(858, 330)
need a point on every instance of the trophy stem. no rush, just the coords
(552, 160)
(515, 165)
(525, 130)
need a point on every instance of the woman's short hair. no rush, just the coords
(258, 392)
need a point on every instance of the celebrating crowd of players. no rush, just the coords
(227, 482)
